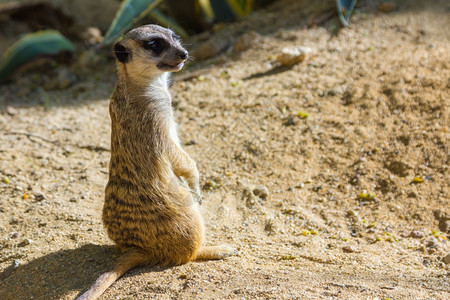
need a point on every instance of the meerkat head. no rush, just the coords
(149, 50)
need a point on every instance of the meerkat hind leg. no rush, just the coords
(215, 252)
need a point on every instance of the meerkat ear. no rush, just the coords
(122, 53)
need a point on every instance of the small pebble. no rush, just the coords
(246, 41)
(417, 234)
(65, 78)
(92, 35)
(39, 197)
(334, 92)
(290, 122)
(25, 242)
(292, 56)
(16, 264)
(210, 48)
(11, 110)
(412, 194)
(350, 249)
(446, 259)
(352, 213)
(191, 142)
(432, 243)
(262, 192)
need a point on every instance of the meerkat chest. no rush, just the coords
(158, 91)
(173, 131)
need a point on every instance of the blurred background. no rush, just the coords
(65, 40)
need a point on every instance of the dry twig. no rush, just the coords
(30, 136)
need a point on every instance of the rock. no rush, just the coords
(86, 61)
(334, 91)
(432, 242)
(292, 56)
(300, 186)
(248, 197)
(25, 242)
(9, 270)
(444, 220)
(246, 41)
(210, 48)
(349, 249)
(269, 227)
(15, 235)
(65, 78)
(92, 36)
(191, 142)
(446, 259)
(412, 194)
(352, 213)
(398, 168)
(386, 7)
(444, 226)
(39, 197)
(16, 264)
(262, 192)
(11, 110)
(417, 234)
(290, 122)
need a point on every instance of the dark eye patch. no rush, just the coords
(156, 45)
(176, 37)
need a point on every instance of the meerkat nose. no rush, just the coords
(183, 54)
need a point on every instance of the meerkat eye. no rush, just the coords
(154, 45)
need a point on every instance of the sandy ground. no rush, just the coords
(377, 99)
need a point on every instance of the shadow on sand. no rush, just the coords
(55, 275)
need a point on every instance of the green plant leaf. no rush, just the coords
(345, 9)
(130, 12)
(226, 10)
(163, 20)
(48, 42)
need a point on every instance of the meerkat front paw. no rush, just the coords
(198, 195)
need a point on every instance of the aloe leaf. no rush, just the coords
(165, 21)
(226, 10)
(47, 42)
(130, 12)
(345, 9)
(241, 8)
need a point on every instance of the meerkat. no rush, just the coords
(151, 199)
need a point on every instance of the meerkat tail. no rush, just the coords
(215, 252)
(129, 260)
